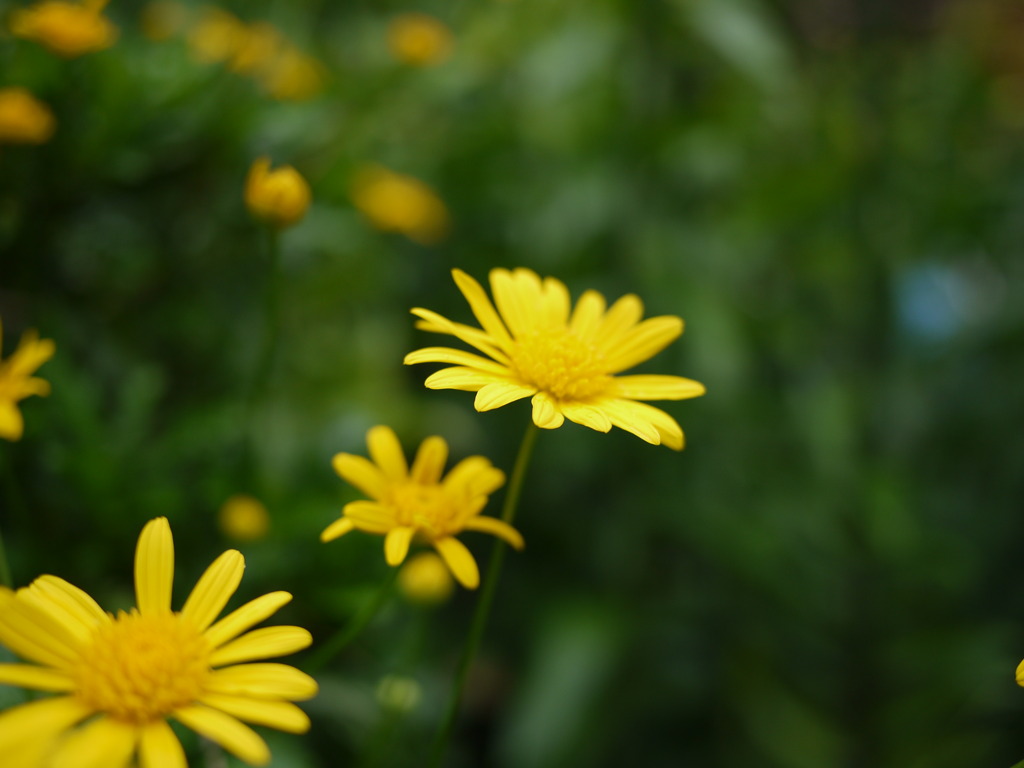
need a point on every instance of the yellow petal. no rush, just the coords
(518, 298)
(621, 317)
(263, 643)
(277, 714)
(214, 589)
(396, 545)
(651, 387)
(434, 323)
(495, 527)
(545, 414)
(465, 379)
(238, 739)
(12, 425)
(337, 529)
(36, 678)
(102, 743)
(370, 516)
(586, 317)
(70, 606)
(386, 452)
(641, 343)
(428, 466)
(473, 476)
(249, 615)
(263, 681)
(159, 747)
(39, 721)
(30, 354)
(459, 561)
(35, 634)
(154, 568)
(587, 415)
(361, 473)
(32, 386)
(500, 393)
(669, 429)
(455, 357)
(556, 303)
(482, 307)
(625, 415)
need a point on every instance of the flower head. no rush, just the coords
(394, 202)
(119, 678)
(419, 39)
(565, 360)
(65, 28)
(279, 197)
(17, 381)
(23, 118)
(425, 580)
(419, 501)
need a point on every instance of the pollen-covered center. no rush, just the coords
(561, 364)
(141, 668)
(426, 507)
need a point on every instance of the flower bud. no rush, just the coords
(279, 197)
(23, 118)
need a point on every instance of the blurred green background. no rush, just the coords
(830, 193)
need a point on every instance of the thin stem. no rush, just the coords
(483, 607)
(5, 568)
(354, 628)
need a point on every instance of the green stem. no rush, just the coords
(353, 629)
(5, 569)
(483, 607)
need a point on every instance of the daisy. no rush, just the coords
(17, 381)
(420, 502)
(566, 361)
(119, 678)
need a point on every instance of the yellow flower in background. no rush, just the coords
(420, 501)
(425, 579)
(244, 518)
(216, 36)
(66, 29)
(565, 360)
(419, 39)
(119, 678)
(24, 119)
(394, 202)
(17, 381)
(258, 45)
(279, 197)
(292, 76)
(163, 19)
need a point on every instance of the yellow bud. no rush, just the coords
(23, 118)
(244, 518)
(394, 202)
(419, 39)
(425, 579)
(279, 197)
(66, 29)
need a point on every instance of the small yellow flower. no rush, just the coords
(394, 202)
(419, 39)
(163, 19)
(244, 518)
(17, 381)
(565, 361)
(292, 76)
(279, 197)
(216, 37)
(257, 47)
(425, 579)
(23, 118)
(419, 502)
(65, 28)
(119, 678)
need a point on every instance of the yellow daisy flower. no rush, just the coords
(121, 677)
(419, 502)
(566, 361)
(17, 381)
(66, 29)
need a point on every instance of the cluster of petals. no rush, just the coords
(280, 196)
(119, 678)
(17, 381)
(535, 344)
(420, 501)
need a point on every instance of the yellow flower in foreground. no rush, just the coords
(279, 197)
(17, 381)
(425, 580)
(67, 29)
(419, 39)
(23, 118)
(565, 360)
(244, 518)
(419, 502)
(120, 678)
(394, 202)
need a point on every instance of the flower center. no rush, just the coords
(426, 507)
(561, 364)
(141, 668)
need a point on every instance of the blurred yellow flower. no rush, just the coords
(279, 197)
(216, 36)
(258, 45)
(244, 518)
(17, 381)
(566, 362)
(23, 118)
(419, 502)
(394, 202)
(419, 39)
(65, 28)
(425, 580)
(292, 76)
(123, 676)
(162, 19)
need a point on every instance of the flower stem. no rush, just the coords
(354, 628)
(5, 569)
(483, 606)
